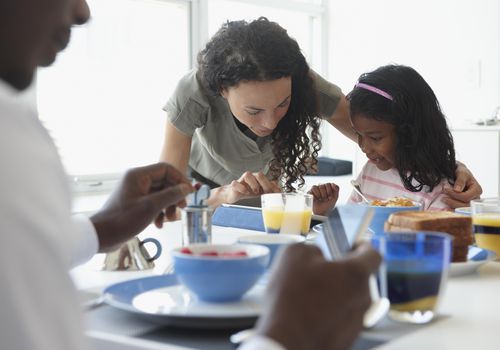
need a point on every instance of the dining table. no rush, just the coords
(468, 314)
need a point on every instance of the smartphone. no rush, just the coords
(342, 228)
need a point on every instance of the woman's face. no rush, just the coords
(376, 139)
(260, 105)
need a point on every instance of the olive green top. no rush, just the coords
(220, 151)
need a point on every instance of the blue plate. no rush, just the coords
(164, 299)
(475, 258)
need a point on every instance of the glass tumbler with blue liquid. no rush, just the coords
(413, 273)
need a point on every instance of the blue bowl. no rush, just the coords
(220, 278)
(381, 214)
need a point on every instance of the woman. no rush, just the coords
(253, 107)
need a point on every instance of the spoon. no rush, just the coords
(357, 188)
(241, 336)
(379, 306)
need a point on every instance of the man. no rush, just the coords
(39, 240)
(312, 303)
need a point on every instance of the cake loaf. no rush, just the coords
(456, 225)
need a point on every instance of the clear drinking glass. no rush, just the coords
(413, 273)
(196, 225)
(288, 213)
(486, 223)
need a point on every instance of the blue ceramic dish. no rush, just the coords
(381, 214)
(220, 278)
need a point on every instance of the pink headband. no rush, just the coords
(374, 89)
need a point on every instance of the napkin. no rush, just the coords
(238, 216)
(477, 254)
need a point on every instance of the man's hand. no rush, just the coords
(466, 188)
(312, 303)
(144, 195)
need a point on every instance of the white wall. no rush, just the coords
(454, 44)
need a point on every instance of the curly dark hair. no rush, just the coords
(424, 151)
(261, 50)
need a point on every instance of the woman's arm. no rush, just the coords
(247, 186)
(340, 119)
(176, 150)
(176, 147)
(466, 188)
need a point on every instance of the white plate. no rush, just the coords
(475, 258)
(164, 299)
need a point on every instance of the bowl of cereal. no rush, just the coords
(384, 208)
(220, 272)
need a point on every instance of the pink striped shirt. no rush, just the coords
(378, 184)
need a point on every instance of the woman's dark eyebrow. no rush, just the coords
(254, 108)
(286, 98)
(260, 109)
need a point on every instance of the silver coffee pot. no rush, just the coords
(132, 256)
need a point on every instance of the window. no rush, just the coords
(303, 21)
(102, 100)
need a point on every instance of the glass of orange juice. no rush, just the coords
(486, 223)
(288, 213)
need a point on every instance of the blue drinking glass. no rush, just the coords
(413, 273)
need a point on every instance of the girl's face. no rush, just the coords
(376, 139)
(260, 105)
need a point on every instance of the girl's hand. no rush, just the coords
(247, 186)
(325, 197)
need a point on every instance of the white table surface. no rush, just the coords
(470, 308)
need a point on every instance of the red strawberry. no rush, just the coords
(186, 251)
(209, 253)
(239, 253)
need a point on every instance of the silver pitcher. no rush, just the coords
(132, 256)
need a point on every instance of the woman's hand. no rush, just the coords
(325, 197)
(247, 186)
(466, 188)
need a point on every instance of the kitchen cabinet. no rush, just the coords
(478, 147)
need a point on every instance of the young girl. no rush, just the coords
(403, 132)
